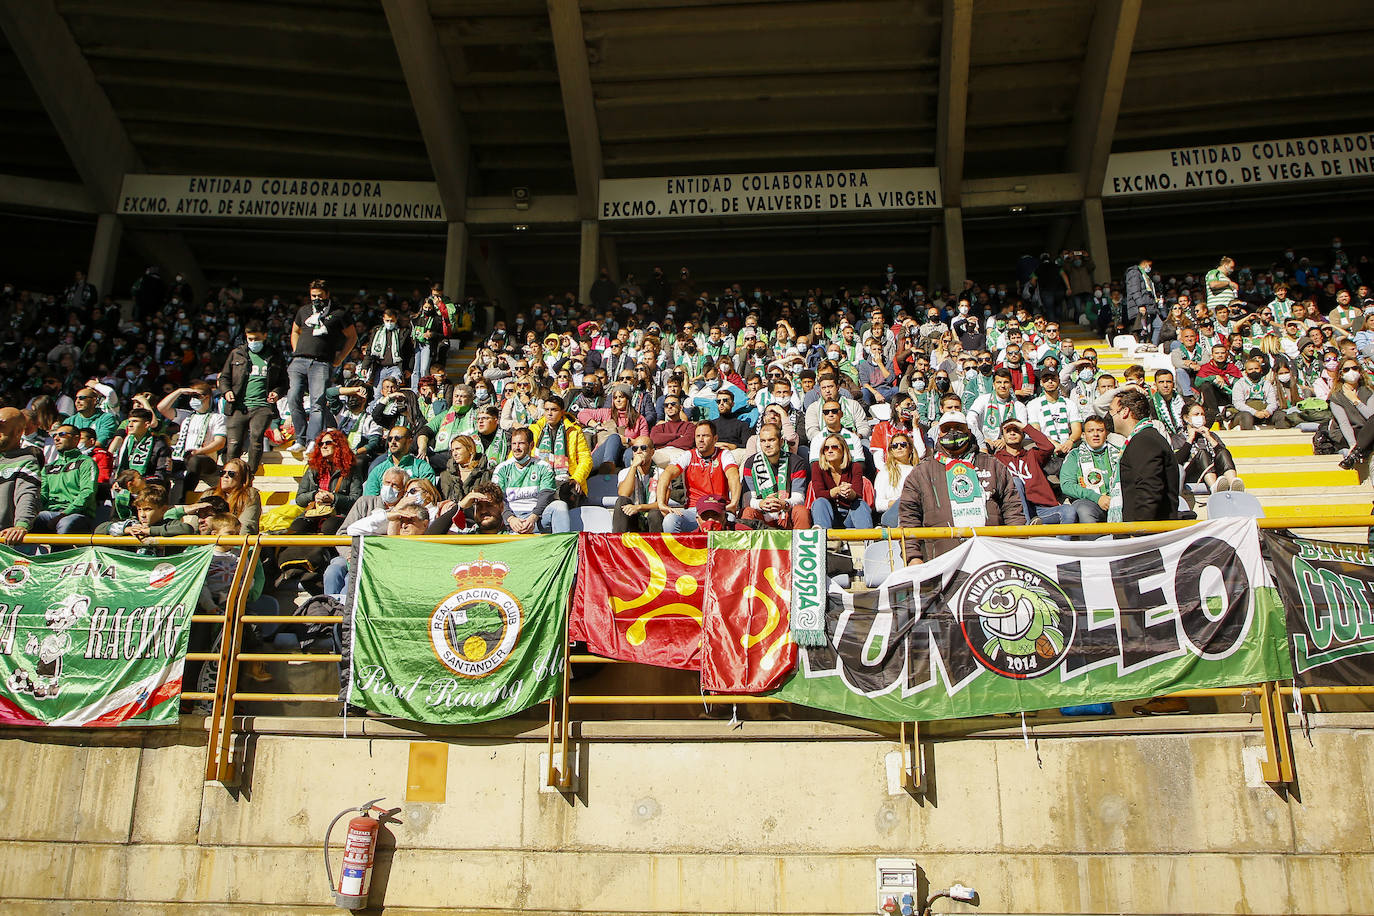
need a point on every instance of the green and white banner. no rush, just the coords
(450, 634)
(1328, 591)
(1002, 626)
(95, 636)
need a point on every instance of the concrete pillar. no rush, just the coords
(455, 261)
(589, 263)
(105, 253)
(953, 237)
(1095, 231)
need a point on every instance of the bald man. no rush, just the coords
(21, 478)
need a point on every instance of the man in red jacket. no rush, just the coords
(674, 434)
(1024, 451)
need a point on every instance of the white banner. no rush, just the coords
(1255, 162)
(221, 197)
(771, 193)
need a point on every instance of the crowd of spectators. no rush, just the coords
(679, 408)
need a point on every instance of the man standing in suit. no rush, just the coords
(1149, 474)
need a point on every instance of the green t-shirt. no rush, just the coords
(255, 395)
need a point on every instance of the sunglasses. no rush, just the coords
(639, 448)
(397, 438)
(830, 410)
(232, 475)
(900, 445)
(832, 448)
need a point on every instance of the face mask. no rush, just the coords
(203, 335)
(954, 442)
(256, 347)
(85, 449)
(1285, 377)
(833, 354)
(481, 395)
(195, 404)
(942, 385)
(919, 384)
(1330, 363)
(389, 493)
(1351, 375)
(1086, 375)
(97, 336)
(1254, 376)
(389, 325)
(986, 370)
(1197, 421)
(131, 374)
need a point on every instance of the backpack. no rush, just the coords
(1323, 443)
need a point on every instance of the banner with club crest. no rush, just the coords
(95, 636)
(450, 634)
(1001, 626)
(1328, 592)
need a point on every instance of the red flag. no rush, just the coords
(748, 645)
(639, 597)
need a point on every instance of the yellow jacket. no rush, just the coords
(579, 456)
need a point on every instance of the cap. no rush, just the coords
(950, 418)
(710, 504)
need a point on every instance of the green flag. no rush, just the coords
(450, 634)
(95, 636)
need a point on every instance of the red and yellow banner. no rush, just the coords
(643, 598)
(639, 597)
(748, 645)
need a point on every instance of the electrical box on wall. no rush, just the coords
(896, 887)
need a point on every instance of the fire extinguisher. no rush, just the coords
(361, 842)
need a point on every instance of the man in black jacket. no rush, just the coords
(1149, 474)
(252, 381)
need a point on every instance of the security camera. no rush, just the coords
(521, 197)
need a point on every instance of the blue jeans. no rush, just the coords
(887, 391)
(610, 450)
(555, 519)
(55, 522)
(891, 516)
(424, 355)
(684, 523)
(1088, 512)
(336, 576)
(1056, 515)
(825, 514)
(312, 376)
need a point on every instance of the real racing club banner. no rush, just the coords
(1328, 593)
(449, 634)
(95, 636)
(1003, 626)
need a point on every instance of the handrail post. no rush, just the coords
(1277, 767)
(227, 768)
(236, 586)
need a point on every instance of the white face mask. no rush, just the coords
(1351, 375)
(389, 493)
(1197, 421)
(1285, 377)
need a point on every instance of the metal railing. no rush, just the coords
(221, 764)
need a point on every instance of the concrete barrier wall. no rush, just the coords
(774, 818)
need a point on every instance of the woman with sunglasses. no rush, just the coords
(331, 484)
(620, 423)
(837, 488)
(236, 488)
(1352, 407)
(899, 459)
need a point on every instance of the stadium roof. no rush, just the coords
(551, 96)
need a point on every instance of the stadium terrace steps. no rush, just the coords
(1278, 465)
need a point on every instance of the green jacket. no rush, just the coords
(69, 483)
(1098, 470)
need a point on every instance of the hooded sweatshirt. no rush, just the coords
(20, 489)
(69, 483)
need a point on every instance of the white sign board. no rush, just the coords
(770, 193)
(220, 197)
(1249, 164)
